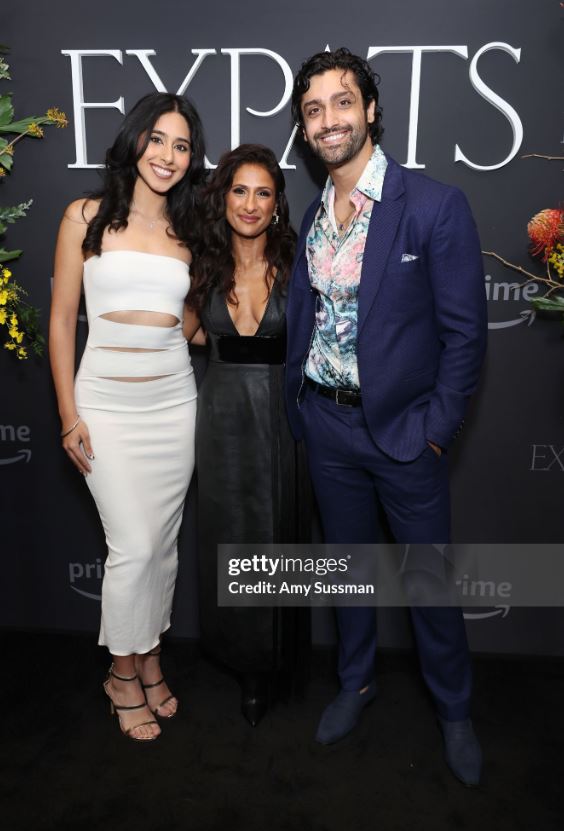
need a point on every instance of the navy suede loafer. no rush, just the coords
(463, 753)
(342, 715)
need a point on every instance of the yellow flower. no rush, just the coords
(2, 171)
(556, 260)
(13, 332)
(10, 345)
(2, 316)
(22, 352)
(9, 150)
(57, 117)
(19, 337)
(35, 130)
(6, 273)
(3, 297)
(14, 319)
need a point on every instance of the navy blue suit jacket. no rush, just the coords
(422, 322)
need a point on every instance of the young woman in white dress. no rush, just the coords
(127, 419)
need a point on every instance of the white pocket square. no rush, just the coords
(408, 258)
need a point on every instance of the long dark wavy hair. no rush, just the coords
(121, 172)
(213, 264)
(342, 58)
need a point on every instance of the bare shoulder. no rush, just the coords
(175, 247)
(82, 211)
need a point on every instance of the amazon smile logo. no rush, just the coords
(88, 576)
(511, 293)
(485, 590)
(497, 611)
(12, 434)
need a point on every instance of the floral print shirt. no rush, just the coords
(335, 263)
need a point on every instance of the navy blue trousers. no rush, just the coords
(350, 476)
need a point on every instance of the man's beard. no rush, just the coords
(344, 152)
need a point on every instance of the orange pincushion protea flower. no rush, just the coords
(546, 229)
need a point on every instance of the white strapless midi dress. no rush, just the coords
(142, 436)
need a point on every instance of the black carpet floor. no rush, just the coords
(64, 766)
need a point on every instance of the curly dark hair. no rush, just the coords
(121, 171)
(341, 58)
(213, 263)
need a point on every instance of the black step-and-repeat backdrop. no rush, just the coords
(468, 87)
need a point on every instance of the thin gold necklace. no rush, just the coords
(150, 223)
(342, 226)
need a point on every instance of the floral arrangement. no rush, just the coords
(20, 318)
(546, 235)
(546, 232)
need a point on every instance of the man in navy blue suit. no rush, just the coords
(386, 335)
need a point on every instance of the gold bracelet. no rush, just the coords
(71, 429)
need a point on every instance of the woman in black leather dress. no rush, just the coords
(252, 485)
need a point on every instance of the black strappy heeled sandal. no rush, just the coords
(158, 683)
(115, 708)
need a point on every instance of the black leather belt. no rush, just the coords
(346, 398)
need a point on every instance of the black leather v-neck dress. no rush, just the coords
(252, 483)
